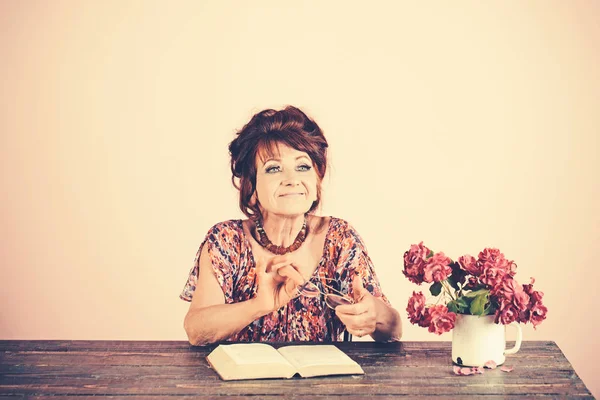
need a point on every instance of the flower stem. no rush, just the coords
(447, 289)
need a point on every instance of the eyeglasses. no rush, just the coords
(332, 300)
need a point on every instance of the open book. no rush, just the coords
(260, 360)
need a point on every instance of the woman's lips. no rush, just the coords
(291, 194)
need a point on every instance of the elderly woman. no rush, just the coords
(283, 274)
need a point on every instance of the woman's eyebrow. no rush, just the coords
(271, 159)
(279, 159)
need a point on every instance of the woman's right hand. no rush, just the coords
(277, 281)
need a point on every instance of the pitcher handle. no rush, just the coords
(518, 341)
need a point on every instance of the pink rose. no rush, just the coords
(469, 263)
(538, 314)
(528, 288)
(512, 268)
(536, 311)
(507, 315)
(416, 309)
(510, 292)
(521, 300)
(414, 262)
(536, 297)
(441, 320)
(493, 257)
(490, 271)
(494, 266)
(524, 317)
(492, 275)
(437, 268)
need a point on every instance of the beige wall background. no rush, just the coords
(464, 125)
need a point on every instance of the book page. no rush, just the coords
(249, 361)
(252, 353)
(314, 360)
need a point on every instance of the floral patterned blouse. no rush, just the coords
(303, 318)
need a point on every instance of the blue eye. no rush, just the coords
(276, 168)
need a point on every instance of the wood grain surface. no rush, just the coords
(170, 369)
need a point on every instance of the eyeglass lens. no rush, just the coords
(309, 289)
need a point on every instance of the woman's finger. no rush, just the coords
(356, 332)
(365, 321)
(278, 261)
(273, 271)
(291, 289)
(361, 328)
(261, 267)
(290, 273)
(353, 321)
(351, 309)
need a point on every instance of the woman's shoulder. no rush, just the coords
(339, 225)
(343, 231)
(230, 224)
(229, 231)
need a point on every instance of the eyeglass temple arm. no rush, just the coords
(346, 296)
(338, 292)
(347, 336)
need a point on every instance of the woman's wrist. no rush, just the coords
(388, 325)
(258, 308)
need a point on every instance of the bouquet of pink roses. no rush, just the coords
(476, 286)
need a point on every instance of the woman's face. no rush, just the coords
(286, 184)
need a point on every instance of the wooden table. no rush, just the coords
(158, 369)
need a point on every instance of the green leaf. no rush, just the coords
(436, 288)
(452, 306)
(459, 306)
(477, 293)
(430, 254)
(463, 304)
(453, 282)
(479, 302)
(489, 310)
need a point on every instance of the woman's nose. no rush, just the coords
(291, 179)
(291, 182)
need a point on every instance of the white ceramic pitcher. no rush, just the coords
(476, 340)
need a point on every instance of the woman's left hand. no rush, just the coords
(360, 318)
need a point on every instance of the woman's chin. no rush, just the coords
(291, 211)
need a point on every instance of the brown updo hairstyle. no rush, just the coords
(265, 131)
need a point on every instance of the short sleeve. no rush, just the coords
(354, 260)
(223, 241)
